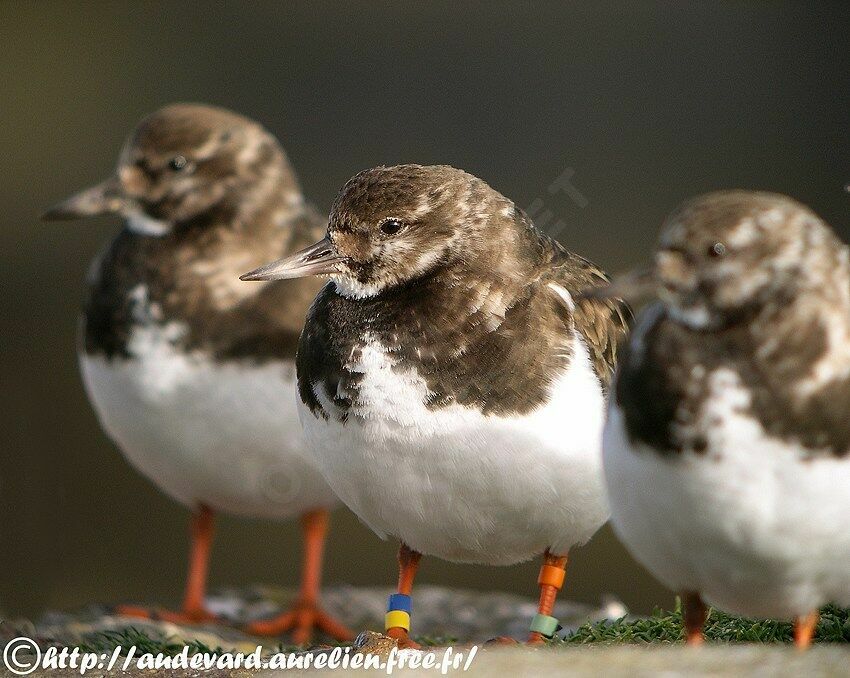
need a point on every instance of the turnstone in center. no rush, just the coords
(451, 388)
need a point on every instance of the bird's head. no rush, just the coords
(181, 162)
(723, 256)
(391, 225)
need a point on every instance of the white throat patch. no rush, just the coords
(693, 317)
(351, 289)
(140, 223)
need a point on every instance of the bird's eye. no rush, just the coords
(391, 226)
(178, 162)
(718, 249)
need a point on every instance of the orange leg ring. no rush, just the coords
(551, 580)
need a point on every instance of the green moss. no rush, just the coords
(107, 641)
(666, 627)
(436, 641)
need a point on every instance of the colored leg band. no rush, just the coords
(397, 619)
(552, 576)
(544, 625)
(400, 601)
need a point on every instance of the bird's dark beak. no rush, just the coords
(633, 287)
(318, 259)
(105, 198)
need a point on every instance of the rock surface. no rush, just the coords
(439, 613)
(752, 661)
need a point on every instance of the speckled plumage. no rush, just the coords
(483, 327)
(240, 201)
(778, 326)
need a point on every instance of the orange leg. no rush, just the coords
(694, 614)
(306, 614)
(202, 527)
(804, 629)
(408, 564)
(550, 580)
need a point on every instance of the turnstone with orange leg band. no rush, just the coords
(451, 389)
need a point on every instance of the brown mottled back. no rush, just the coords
(461, 293)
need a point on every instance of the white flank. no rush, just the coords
(225, 435)
(454, 483)
(750, 524)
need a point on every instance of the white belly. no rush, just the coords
(225, 435)
(755, 529)
(462, 486)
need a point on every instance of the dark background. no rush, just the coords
(647, 103)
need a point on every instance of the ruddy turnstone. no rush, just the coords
(726, 446)
(451, 388)
(191, 372)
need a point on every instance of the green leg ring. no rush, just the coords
(544, 625)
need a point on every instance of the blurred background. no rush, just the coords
(596, 117)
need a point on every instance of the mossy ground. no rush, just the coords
(666, 627)
(145, 642)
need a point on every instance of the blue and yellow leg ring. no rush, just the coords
(399, 607)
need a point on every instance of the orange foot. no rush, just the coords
(805, 628)
(190, 616)
(535, 638)
(694, 637)
(403, 638)
(502, 640)
(301, 620)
